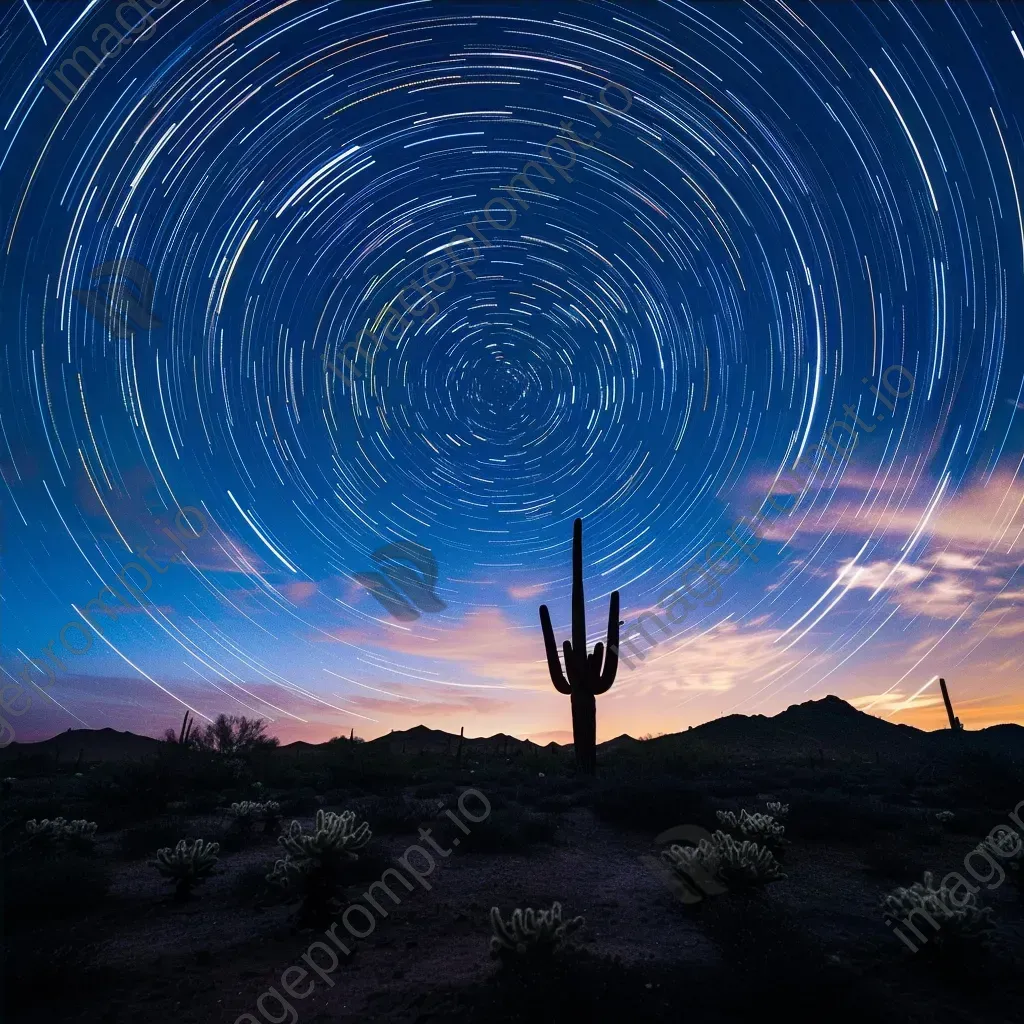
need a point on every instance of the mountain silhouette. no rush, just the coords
(827, 725)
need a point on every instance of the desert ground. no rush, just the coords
(95, 933)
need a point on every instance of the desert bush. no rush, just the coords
(234, 736)
(316, 861)
(722, 857)
(959, 925)
(187, 864)
(530, 934)
(779, 811)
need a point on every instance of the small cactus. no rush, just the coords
(78, 834)
(777, 810)
(958, 923)
(761, 828)
(187, 864)
(944, 817)
(729, 861)
(317, 859)
(529, 932)
(247, 812)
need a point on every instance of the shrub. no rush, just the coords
(777, 810)
(723, 858)
(959, 925)
(187, 864)
(529, 934)
(317, 860)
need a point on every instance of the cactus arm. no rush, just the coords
(554, 666)
(611, 661)
(570, 663)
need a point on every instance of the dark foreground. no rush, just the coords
(96, 936)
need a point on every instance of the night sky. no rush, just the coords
(771, 203)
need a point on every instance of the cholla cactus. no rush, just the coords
(270, 812)
(529, 932)
(957, 921)
(78, 834)
(317, 859)
(247, 812)
(187, 864)
(942, 817)
(777, 810)
(761, 828)
(48, 830)
(726, 859)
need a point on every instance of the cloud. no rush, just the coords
(981, 517)
(888, 575)
(714, 660)
(1002, 623)
(954, 561)
(526, 590)
(484, 643)
(298, 592)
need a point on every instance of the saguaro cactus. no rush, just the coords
(588, 674)
(954, 722)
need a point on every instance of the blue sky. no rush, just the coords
(770, 205)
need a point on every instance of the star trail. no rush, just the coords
(452, 274)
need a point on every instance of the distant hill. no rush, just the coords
(93, 744)
(830, 725)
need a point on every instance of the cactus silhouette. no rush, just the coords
(588, 674)
(954, 722)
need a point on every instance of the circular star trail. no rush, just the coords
(768, 205)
